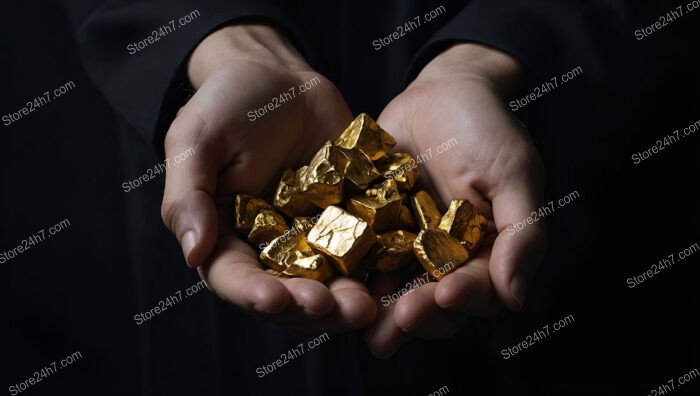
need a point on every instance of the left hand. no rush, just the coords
(486, 157)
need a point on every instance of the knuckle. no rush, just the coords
(167, 213)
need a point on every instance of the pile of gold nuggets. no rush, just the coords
(342, 222)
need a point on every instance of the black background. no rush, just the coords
(80, 289)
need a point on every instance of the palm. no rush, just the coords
(255, 148)
(469, 147)
(250, 151)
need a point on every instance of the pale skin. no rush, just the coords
(240, 68)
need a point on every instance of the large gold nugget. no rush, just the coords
(357, 167)
(312, 267)
(268, 225)
(284, 250)
(439, 252)
(393, 250)
(342, 237)
(322, 182)
(425, 210)
(465, 223)
(402, 168)
(289, 199)
(364, 133)
(382, 214)
(245, 210)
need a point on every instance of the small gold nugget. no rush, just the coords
(379, 212)
(290, 256)
(284, 250)
(364, 133)
(289, 199)
(342, 237)
(393, 250)
(465, 223)
(245, 210)
(438, 252)
(267, 226)
(322, 182)
(425, 210)
(357, 167)
(400, 167)
(312, 267)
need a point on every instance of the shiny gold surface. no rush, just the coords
(464, 223)
(385, 190)
(382, 214)
(313, 267)
(246, 208)
(393, 250)
(425, 211)
(284, 250)
(342, 237)
(322, 182)
(304, 224)
(439, 252)
(289, 199)
(357, 167)
(267, 226)
(400, 167)
(364, 133)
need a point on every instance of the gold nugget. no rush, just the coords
(464, 223)
(289, 199)
(245, 210)
(342, 237)
(400, 167)
(439, 252)
(425, 210)
(267, 226)
(364, 134)
(312, 267)
(322, 182)
(382, 214)
(393, 250)
(357, 167)
(284, 250)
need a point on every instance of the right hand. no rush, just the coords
(235, 70)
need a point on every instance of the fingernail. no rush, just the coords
(384, 354)
(518, 289)
(188, 241)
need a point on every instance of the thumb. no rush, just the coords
(188, 208)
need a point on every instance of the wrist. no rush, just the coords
(474, 62)
(243, 42)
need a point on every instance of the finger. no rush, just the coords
(384, 337)
(516, 253)
(188, 208)
(418, 313)
(354, 309)
(469, 289)
(235, 275)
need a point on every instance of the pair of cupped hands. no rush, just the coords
(459, 94)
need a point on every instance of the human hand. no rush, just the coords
(236, 70)
(455, 106)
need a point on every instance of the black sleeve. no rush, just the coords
(549, 37)
(141, 81)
